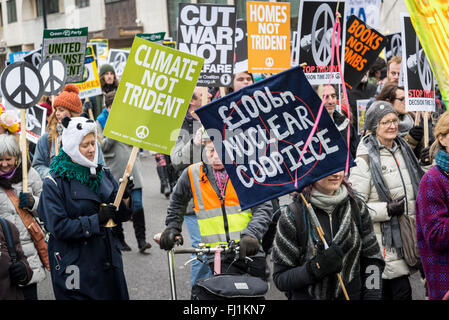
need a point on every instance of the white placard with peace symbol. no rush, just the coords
(53, 72)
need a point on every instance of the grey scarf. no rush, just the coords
(405, 124)
(390, 229)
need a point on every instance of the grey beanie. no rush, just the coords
(376, 112)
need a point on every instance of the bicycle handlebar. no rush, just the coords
(203, 250)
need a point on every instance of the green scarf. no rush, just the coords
(66, 168)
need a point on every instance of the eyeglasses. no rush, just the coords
(389, 123)
(400, 99)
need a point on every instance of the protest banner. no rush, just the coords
(393, 46)
(429, 19)
(241, 47)
(366, 10)
(102, 49)
(36, 118)
(117, 58)
(361, 110)
(207, 31)
(69, 44)
(34, 57)
(17, 56)
(418, 76)
(153, 96)
(363, 45)
(317, 18)
(268, 26)
(157, 37)
(259, 132)
(91, 85)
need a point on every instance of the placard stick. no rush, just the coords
(222, 91)
(205, 93)
(417, 118)
(23, 148)
(321, 234)
(55, 141)
(121, 189)
(426, 129)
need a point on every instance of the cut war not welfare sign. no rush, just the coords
(259, 133)
(153, 96)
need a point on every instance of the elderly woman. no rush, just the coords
(387, 177)
(76, 203)
(302, 267)
(11, 178)
(432, 215)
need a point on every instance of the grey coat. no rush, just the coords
(116, 155)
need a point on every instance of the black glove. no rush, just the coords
(128, 188)
(416, 133)
(18, 273)
(105, 213)
(26, 200)
(425, 157)
(326, 262)
(87, 106)
(396, 207)
(249, 246)
(169, 237)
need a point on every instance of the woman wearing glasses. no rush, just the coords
(406, 128)
(387, 177)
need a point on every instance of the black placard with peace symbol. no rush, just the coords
(21, 85)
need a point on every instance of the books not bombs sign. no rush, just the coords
(418, 76)
(69, 44)
(268, 36)
(207, 31)
(316, 21)
(363, 45)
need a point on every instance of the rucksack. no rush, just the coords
(9, 240)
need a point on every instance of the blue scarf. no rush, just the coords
(442, 160)
(103, 117)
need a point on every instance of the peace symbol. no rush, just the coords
(142, 132)
(120, 62)
(322, 54)
(21, 84)
(424, 71)
(36, 59)
(396, 45)
(53, 71)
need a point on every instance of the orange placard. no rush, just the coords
(268, 25)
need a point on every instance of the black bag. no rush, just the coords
(7, 232)
(230, 286)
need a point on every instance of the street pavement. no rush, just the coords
(147, 274)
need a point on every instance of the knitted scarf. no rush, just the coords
(66, 168)
(442, 160)
(391, 233)
(6, 183)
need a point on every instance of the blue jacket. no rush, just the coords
(85, 259)
(43, 156)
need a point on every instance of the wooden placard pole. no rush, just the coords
(222, 91)
(426, 129)
(23, 148)
(204, 96)
(417, 118)
(121, 189)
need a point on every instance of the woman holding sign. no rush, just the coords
(387, 176)
(76, 203)
(11, 180)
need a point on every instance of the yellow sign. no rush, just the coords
(91, 85)
(268, 25)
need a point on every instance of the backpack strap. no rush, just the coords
(300, 224)
(9, 240)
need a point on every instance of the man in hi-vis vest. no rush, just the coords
(220, 218)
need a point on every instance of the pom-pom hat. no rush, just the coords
(69, 99)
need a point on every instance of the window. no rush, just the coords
(51, 6)
(111, 1)
(82, 3)
(11, 8)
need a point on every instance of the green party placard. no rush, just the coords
(153, 96)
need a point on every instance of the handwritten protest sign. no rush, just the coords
(69, 44)
(418, 77)
(314, 48)
(153, 96)
(207, 31)
(363, 45)
(259, 132)
(268, 25)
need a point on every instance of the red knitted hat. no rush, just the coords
(69, 99)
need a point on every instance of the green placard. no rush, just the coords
(153, 96)
(69, 44)
(153, 37)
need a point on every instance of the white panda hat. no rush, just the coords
(74, 131)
